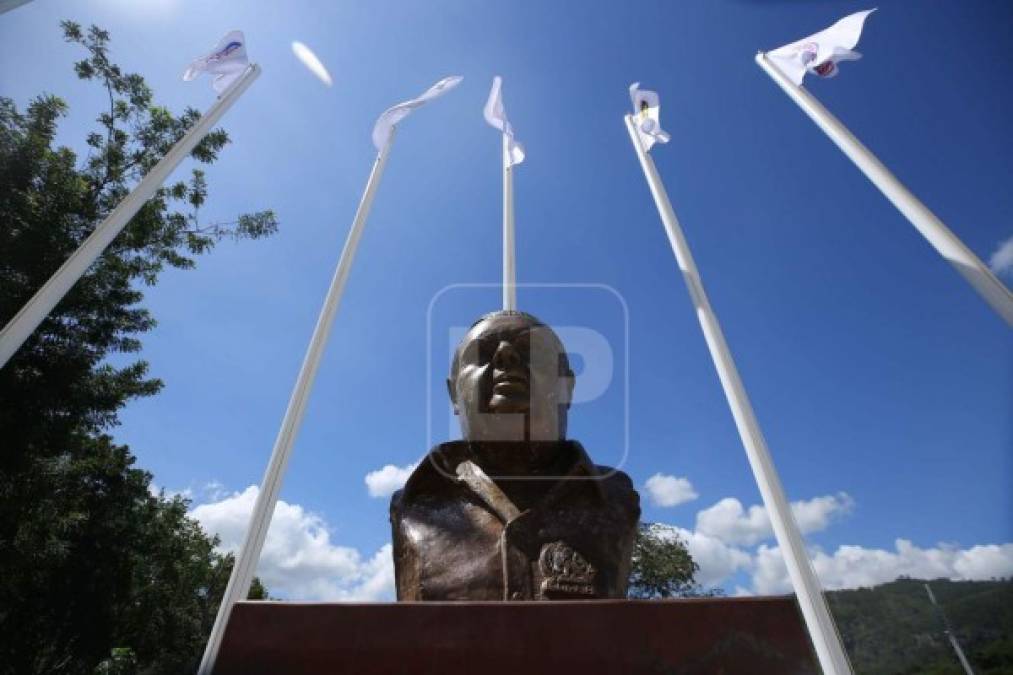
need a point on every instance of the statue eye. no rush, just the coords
(486, 350)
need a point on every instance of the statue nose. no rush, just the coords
(506, 357)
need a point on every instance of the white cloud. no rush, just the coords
(214, 491)
(817, 513)
(986, 561)
(717, 560)
(854, 566)
(728, 521)
(384, 482)
(299, 561)
(1001, 261)
(156, 491)
(666, 490)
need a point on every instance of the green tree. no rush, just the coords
(894, 627)
(90, 560)
(122, 661)
(662, 566)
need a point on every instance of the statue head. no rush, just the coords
(510, 380)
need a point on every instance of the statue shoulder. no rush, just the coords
(615, 478)
(432, 476)
(618, 488)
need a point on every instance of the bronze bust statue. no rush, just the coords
(514, 511)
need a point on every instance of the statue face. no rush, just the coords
(511, 382)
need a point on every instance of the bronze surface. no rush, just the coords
(752, 636)
(514, 511)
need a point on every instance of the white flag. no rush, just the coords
(820, 53)
(391, 116)
(312, 62)
(226, 62)
(495, 114)
(647, 116)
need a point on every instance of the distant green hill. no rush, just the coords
(895, 629)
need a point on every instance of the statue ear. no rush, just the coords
(567, 382)
(453, 395)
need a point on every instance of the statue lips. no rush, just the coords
(511, 387)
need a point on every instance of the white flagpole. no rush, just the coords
(8, 5)
(942, 239)
(267, 497)
(46, 298)
(821, 627)
(509, 263)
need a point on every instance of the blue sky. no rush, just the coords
(875, 370)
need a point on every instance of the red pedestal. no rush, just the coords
(712, 635)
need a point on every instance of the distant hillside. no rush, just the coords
(894, 628)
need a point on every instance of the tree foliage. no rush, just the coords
(662, 566)
(90, 560)
(894, 628)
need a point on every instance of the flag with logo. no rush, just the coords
(647, 116)
(226, 62)
(820, 53)
(495, 115)
(391, 116)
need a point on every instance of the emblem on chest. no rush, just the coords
(565, 572)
